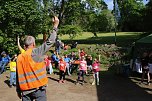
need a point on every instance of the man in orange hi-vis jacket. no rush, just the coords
(31, 71)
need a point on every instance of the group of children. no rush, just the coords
(85, 66)
(64, 64)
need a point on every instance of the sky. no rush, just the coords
(110, 3)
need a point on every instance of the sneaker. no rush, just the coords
(63, 81)
(76, 82)
(60, 81)
(10, 86)
(14, 85)
(148, 83)
(93, 83)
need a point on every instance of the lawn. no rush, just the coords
(122, 38)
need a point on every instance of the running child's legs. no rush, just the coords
(62, 75)
(81, 74)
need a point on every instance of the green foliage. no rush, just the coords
(106, 21)
(147, 15)
(16, 17)
(69, 51)
(71, 30)
(1, 39)
(131, 15)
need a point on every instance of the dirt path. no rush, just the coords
(55, 91)
(112, 88)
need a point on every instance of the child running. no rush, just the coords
(82, 70)
(13, 71)
(96, 70)
(62, 68)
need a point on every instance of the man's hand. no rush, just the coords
(55, 21)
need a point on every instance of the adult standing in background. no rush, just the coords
(145, 68)
(58, 45)
(31, 71)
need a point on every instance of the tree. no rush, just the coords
(147, 15)
(45, 9)
(71, 30)
(131, 14)
(18, 17)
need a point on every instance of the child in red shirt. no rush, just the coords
(48, 64)
(62, 67)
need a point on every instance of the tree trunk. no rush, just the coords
(61, 11)
(44, 36)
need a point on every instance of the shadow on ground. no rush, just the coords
(119, 88)
(7, 81)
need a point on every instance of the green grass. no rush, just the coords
(122, 38)
(88, 35)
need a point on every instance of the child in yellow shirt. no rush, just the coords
(13, 71)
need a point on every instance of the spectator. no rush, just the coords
(62, 67)
(145, 68)
(13, 71)
(150, 62)
(96, 69)
(5, 60)
(31, 71)
(58, 45)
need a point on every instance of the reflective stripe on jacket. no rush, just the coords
(30, 74)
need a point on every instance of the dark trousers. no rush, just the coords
(38, 95)
(62, 75)
(56, 64)
(81, 74)
(73, 67)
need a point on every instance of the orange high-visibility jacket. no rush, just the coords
(30, 73)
